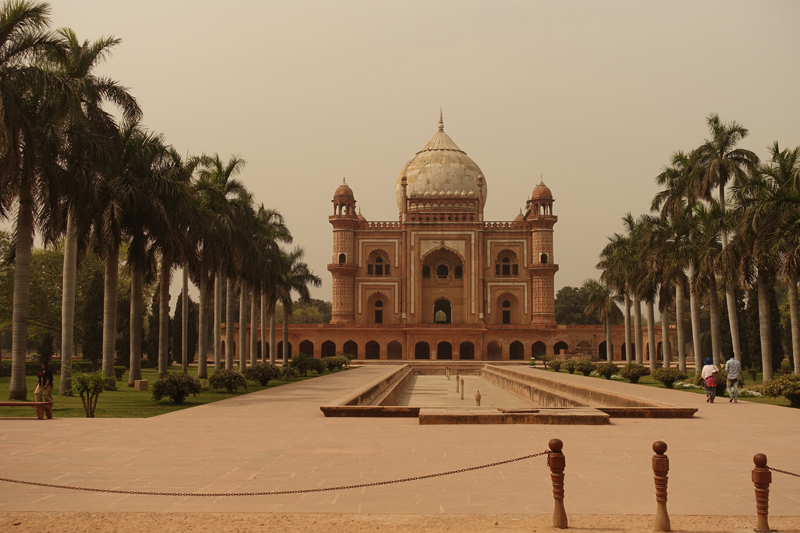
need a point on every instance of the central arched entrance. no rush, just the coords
(442, 313)
(444, 351)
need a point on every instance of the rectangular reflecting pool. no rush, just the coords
(508, 396)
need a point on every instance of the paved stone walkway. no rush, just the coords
(278, 439)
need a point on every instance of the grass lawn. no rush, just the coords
(126, 402)
(648, 381)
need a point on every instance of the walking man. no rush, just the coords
(734, 370)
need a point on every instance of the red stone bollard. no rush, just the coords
(762, 477)
(456, 382)
(557, 463)
(462, 388)
(478, 399)
(660, 471)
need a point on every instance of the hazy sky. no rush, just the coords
(593, 96)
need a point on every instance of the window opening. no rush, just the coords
(426, 272)
(459, 272)
(342, 258)
(442, 271)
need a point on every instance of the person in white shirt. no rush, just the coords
(710, 376)
(734, 370)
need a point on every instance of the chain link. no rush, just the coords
(275, 492)
(784, 472)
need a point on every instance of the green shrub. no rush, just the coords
(668, 376)
(89, 386)
(289, 374)
(302, 363)
(787, 386)
(585, 367)
(607, 369)
(753, 372)
(333, 363)
(570, 365)
(119, 372)
(229, 380)
(349, 357)
(633, 371)
(176, 387)
(262, 373)
(555, 365)
(317, 366)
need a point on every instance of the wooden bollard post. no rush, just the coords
(478, 399)
(762, 477)
(660, 471)
(456, 382)
(462, 388)
(557, 463)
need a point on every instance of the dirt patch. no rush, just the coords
(353, 523)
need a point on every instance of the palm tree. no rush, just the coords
(766, 222)
(89, 137)
(295, 276)
(719, 162)
(674, 204)
(601, 304)
(36, 103)
(223, 197)
(706, 249)
(616, 260)
(636, 274)
(138, 198)
(171, 241)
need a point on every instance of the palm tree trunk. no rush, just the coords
(713, 304)
(110, 315)
(694, 310)
(680, 299)
(218, 281)
(764, 324)
(628, 351)
(18, 388)
(163, 317)
(202, 326)
(637, 327)
(253, 326)
(609, 348)
(242, 326)
(272, 347)
(795, 323)
(263, 326)
(230, 305)
(651, 334)
(137, 288)
(285, 338)
(729, 295)
(666, 348)
(68, 304)
(185, 320)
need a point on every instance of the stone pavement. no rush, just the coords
(278, 439)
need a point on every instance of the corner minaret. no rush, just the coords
(344, 265)
(542, 266)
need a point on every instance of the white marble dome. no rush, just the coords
(438, 169)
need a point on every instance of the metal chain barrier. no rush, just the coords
(784, 472)
(274, 492)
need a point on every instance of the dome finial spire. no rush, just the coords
(441, 122)
(344, 181)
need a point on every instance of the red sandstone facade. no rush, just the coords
(440, 282)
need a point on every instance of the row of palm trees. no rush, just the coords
(72, 171)
(701, 238)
